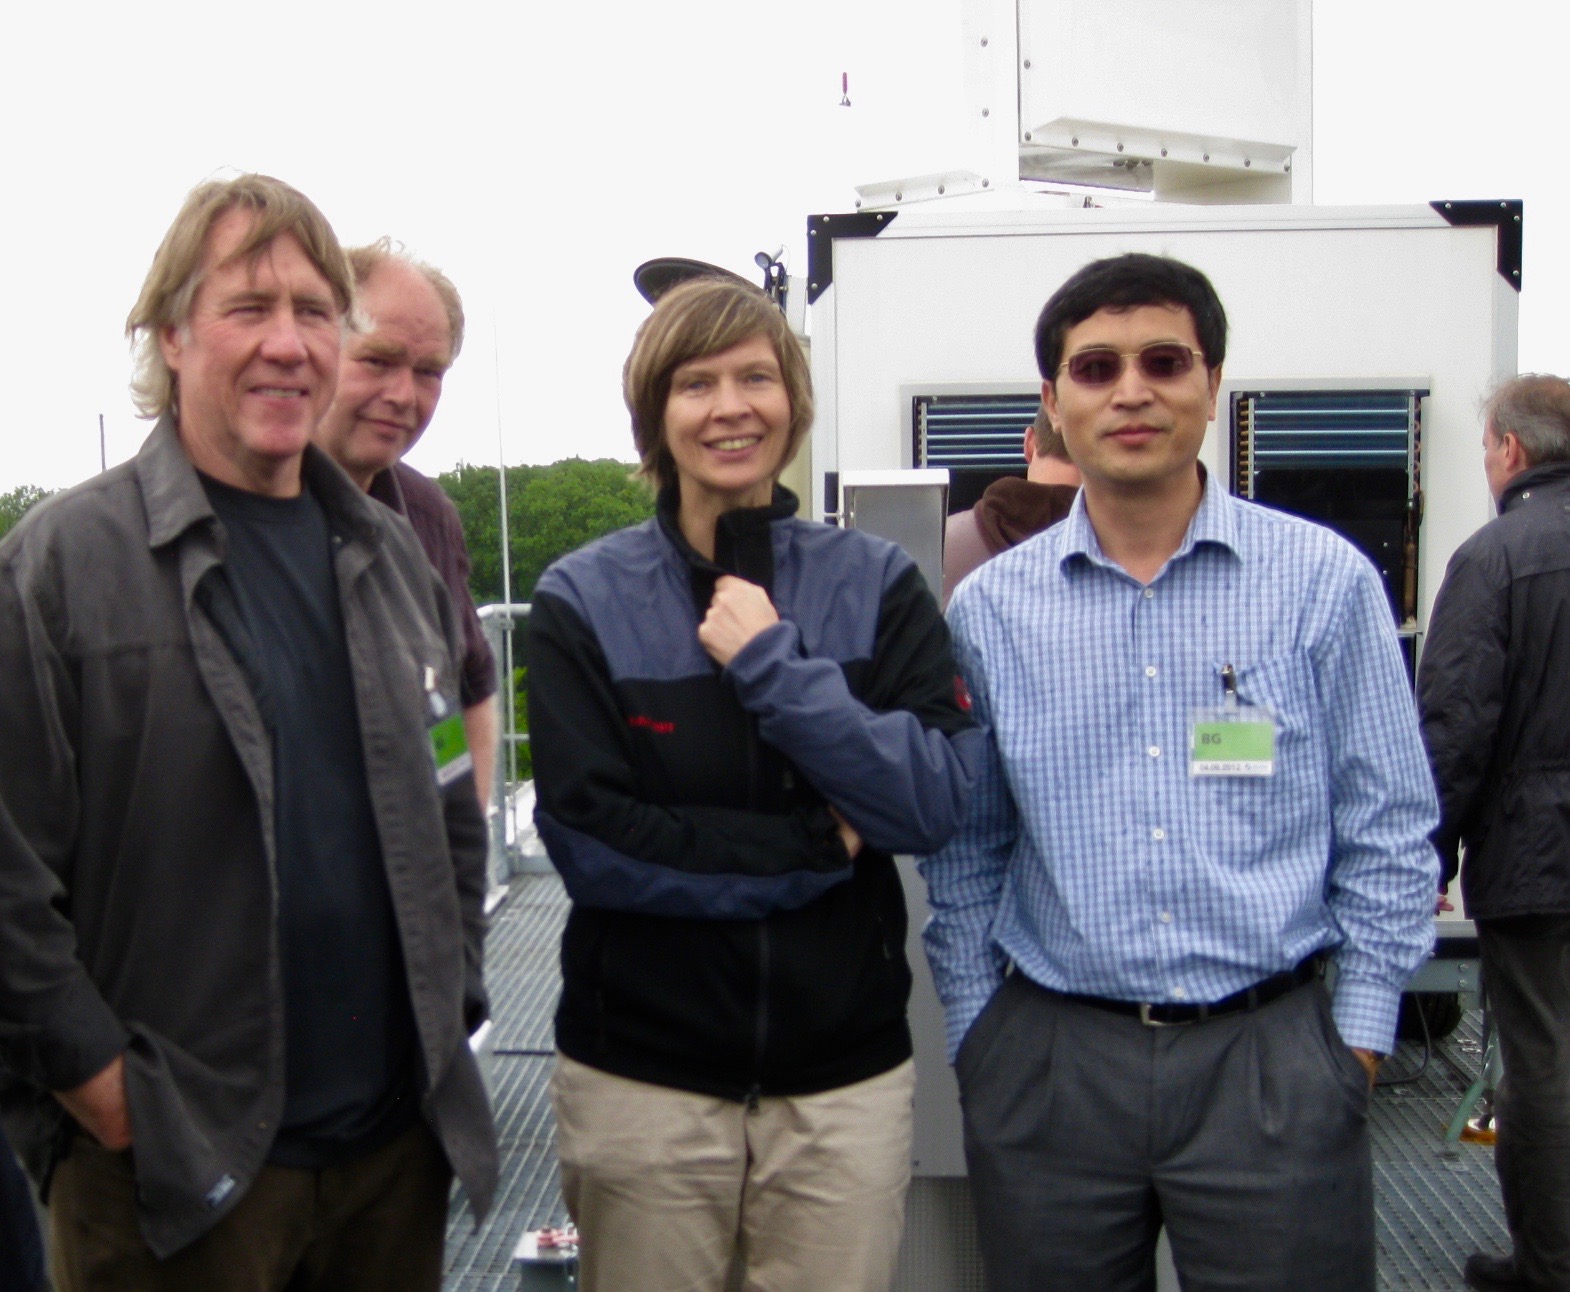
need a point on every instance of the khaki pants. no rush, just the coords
(664, 1185)
(375, 1223)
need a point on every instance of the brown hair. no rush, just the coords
(1049, 440)
(366, 260)
(176, 272)
(696, 318)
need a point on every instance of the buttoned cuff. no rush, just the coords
(1365, 1013)
(966, 1008)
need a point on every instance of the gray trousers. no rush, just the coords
(1526, 970)
(1246, 1135)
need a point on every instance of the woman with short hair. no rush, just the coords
(737, 716)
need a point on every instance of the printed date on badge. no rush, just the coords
(1232, 742)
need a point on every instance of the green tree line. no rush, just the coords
(550, 511)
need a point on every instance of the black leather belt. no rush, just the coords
(1170, 1014)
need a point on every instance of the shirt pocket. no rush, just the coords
(1246, 820)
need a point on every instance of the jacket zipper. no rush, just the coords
(762, 1018)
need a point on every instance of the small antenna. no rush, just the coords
(103, 452)
(844, 89)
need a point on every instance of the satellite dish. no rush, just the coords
(653, 278)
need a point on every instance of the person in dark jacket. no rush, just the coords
(241, 913)
(1012, 510)
(1494, 688)
(736, 716)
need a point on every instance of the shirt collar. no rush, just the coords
(1215, 523)
(387, 489)
(176, 501)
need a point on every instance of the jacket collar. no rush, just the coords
(733, 531)
(1551, 475)
(387, 489)
(1011, 510)
(176, 502)
(743, 542)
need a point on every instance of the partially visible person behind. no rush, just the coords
(389, 385)
(1494, 688)
(1011, 509)
(243, 903)
(736, 716)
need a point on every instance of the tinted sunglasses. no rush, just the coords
(1162, 361)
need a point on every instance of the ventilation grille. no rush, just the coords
(971, 431)
(1322, 430)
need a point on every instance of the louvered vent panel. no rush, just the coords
(972, 431)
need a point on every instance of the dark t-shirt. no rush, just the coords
(348, 1024)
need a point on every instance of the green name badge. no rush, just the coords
(450, 749)
(1232, 742)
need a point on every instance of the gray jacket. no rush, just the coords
(1494, 690)
(137, 878)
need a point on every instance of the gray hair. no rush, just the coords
(1535, 408)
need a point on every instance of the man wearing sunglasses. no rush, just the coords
(1204, 780)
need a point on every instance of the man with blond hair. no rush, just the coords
(389, 384)
(240, 912)
(1493, 686)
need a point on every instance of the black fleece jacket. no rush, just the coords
(721, 941)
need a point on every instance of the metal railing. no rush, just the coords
(510, 817)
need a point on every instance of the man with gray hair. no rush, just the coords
(389, 384)
(241, 910)
(1494, 689)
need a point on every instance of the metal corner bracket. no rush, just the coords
(821, 232)
(1505, 214)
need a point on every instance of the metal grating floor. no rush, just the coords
(1434, 1208)
(523, 979)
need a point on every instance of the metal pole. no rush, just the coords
(103, 452)
(501, 459)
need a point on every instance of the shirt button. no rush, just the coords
(1158, 834)
(1154, 751)
(1179, 993)
(1150, 670)
(1149, 592)
(1166, 918)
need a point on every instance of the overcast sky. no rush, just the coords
(539, 152)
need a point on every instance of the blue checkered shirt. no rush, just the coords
(1094, 861)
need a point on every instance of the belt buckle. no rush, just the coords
(1145, 1018)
